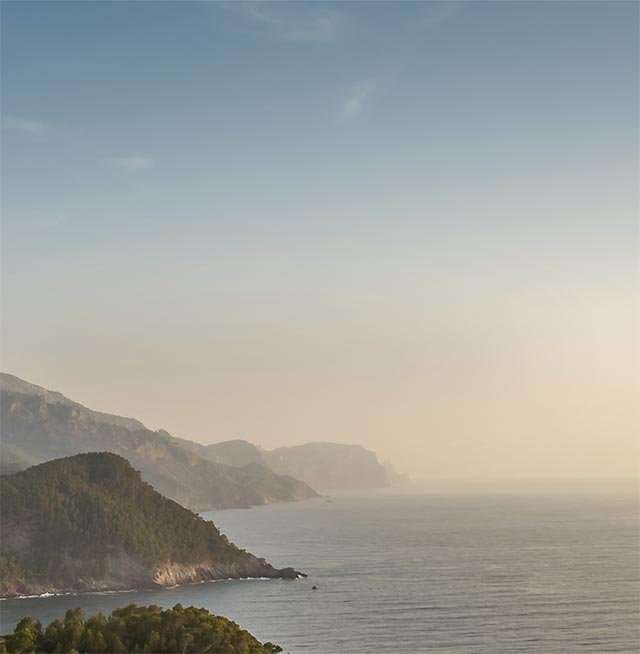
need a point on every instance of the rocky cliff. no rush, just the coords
(329, 465)
(89, 523)
(39, 425)
(321, 465)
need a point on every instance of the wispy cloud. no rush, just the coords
(354, 102)
(133, 163)
(27, 126)
(289, 21)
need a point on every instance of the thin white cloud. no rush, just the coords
(132, 164)
(354, 103)
(290, 21)
(26, 126)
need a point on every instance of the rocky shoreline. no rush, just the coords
(124, 574)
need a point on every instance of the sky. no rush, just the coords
(412, 226)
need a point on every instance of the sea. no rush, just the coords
(404, 571)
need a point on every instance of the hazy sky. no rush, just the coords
(410, 226)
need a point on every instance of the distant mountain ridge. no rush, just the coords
(322, 465)
(12, 384)
(330, 465)
(40, 425)
(88, 523)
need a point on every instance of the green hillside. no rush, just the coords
(90, 522)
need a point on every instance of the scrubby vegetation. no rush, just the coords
(140, 629)
(91, 504)
(88, 522)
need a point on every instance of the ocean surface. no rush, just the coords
(408, 571)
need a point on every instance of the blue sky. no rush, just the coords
(267, 201)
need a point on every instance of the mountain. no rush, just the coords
(39, 425)
(232, 453)
(13, 384)
(321, 465)
(329, 465)
(89, 523)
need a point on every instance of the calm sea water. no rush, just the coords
(409, 572)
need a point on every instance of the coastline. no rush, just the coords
(81, 593)
(166, 576)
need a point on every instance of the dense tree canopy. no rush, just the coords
(90, 504)
(139, 629)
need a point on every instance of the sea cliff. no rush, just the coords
(89, 523)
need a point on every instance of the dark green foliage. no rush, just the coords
(140, 629)
(89, 505)
(10, 566)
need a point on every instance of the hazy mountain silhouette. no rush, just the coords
(39, 425)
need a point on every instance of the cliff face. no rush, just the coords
(89, 523)
(237, 453)
(321, 465)
(329, 465)
(39, 425)
(172, 574)
(123, 572)
(13, 384)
